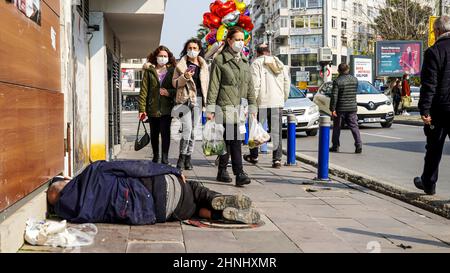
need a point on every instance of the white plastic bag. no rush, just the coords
(213, 142)
(257, 135)
(52, 233)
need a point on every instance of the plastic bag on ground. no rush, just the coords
(213, 142)
(57, 234)
(257, 135)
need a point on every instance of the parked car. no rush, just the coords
(305, 111)
(415, 95)
(373, 106)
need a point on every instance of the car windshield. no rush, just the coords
(415, 89)
(296, 93)
(365, 88)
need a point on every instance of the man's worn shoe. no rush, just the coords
(224, 176)
(180, 163)
(187, 163)
(276, 164)
(242, 179)
(419, 184)
(238, 201)
(334, 149)
(251, 159)
(358, 149)
(248, 216)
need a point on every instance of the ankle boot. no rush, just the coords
(165, 159)
(223, 176)
(180, 162)
(187, 163)
(155, 158)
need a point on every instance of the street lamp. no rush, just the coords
(269, 34)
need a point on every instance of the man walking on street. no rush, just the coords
(434, 103)
(272, 85)
(343, 107)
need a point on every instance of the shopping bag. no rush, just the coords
(257, 135)
(406, 101)
(213, 142)
(140, 143)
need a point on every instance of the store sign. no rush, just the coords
(302, 76)
(30, 8)
(363, 69)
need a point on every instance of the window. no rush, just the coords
(284, 4)
(355, 8)
(304, 59)
(334, 4)
(284, 22)
(355, 27)
(297, 4)
(334, 41)
(344, 5)
(315, 21)
(313, 41)
(344, 24)
(315, 3)
(334, 59)
(343, 59)
(334, 22)
(344, 42)
(370, 13)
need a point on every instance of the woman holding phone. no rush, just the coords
(156, 99)
(230, 85)
(191, 79)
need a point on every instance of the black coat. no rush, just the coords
(343, 95)
(435, 91)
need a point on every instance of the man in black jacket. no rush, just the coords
(343, 107)
(434, 103)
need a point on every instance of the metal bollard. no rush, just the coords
(324, 153)
(263, 147)
(247, 133)
(291, 141)
(203, 118)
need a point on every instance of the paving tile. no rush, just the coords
(200, 242)
(152, 247)
(109, 241)
(156, 233)
(265, 242)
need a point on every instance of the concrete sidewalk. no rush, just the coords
(300, 215)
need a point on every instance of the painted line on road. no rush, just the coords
(390, 137)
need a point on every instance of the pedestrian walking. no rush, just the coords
(434, 103)
(343, 107)
(272, 86)
(396, 96)
(156, 99)
(230, 84)
(191, 78)
(406, 95)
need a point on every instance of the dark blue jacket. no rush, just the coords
(111, 192)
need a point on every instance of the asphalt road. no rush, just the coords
(393, 155)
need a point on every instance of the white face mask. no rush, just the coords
(162, 60)
(238, 46)
(193, 54)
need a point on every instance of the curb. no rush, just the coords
(409, 122)
(430, 203)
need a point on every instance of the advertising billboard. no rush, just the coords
(31, 9)
(395, 58)
(362, 68)
(127, 79)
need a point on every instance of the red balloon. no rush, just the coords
(221, 9)
(245, 22)
(211, 21)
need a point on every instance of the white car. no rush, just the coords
(305, 111)
(373, 106)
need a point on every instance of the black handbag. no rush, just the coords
(144, 140)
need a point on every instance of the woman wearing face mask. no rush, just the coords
(156, 99)
(191, 78)
(231, 83)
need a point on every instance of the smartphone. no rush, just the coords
(191, 68)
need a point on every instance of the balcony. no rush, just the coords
(281, 50)
(306, 31)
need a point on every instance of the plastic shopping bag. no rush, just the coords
(257, 135)
(213, 142)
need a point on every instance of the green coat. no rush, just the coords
(153, 103)
(230, 81)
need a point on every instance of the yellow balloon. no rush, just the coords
(221, 33)
(240, 5)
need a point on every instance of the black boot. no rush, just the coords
(165, 159)
(187, 163)
(242, 179)
(224, 176)
(155, 158)
(180, 162)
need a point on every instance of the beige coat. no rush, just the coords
(180, 82)
(272, 82)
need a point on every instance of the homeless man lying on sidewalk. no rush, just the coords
(138, 192)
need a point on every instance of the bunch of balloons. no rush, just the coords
(225, 14)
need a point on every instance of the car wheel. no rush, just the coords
(311, 132)
(386, 124)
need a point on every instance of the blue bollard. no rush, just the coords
(324, 152)
(203, 118)
(247, 133)
(291, 142)
(263, 147)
